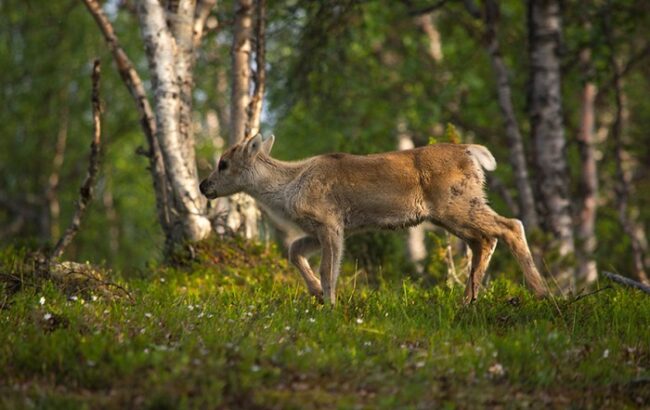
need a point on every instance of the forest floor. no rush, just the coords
(238, 331)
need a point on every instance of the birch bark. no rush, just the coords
(162, 49)
(243, 215)
(586, 218)
(549, 143)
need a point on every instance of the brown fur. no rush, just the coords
(330, 196)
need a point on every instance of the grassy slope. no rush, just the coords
(227, 334)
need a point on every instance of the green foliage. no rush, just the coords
(238, 330)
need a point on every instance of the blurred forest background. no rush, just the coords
(556, 89)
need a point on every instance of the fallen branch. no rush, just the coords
(86, 190)
(627, 281)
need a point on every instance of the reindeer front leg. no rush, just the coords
(299, 251)
(331, 241)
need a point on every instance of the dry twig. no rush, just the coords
(86, 190)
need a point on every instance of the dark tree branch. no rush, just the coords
(86, 191)
(428, 9)
(622, 71)
(627, 281)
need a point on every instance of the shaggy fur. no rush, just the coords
(330, 196)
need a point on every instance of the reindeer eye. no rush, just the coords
(222, 165)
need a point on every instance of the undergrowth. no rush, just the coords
(236, 329)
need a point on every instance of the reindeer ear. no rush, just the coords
(254, 145)
(267, 144)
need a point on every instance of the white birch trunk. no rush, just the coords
(162, 53)
(243, 215)
(415, 244)
(586, 218)
(547, 130)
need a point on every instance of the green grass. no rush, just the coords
(238, 331)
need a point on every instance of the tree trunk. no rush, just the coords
(623, 186)
(180, 18)
(259, 77)
(241, 52)
(586, 218)
(549, 143)
(526, 200)
(427, 25)
(51, 192)
(243, 214)
(415, 245)
(169, 69)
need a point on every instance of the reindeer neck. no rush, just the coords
(272, 177)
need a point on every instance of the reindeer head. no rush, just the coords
(236, 169)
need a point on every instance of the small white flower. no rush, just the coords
(41, 301)
(142, 331)
(106, 311)
(191, 307)
(210, 315)
(90, 363)
(367, 343)
(200, 315)
(312, 320)
(47, 316)
(606, 354)
(287, 328)
(148, 315)
(73, 298)
(94, 298)
(146, 350)
(162, 280)
(420, 364)
(496, 370)
(359, 320)
(255, 368)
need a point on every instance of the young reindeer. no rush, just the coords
(329, 196)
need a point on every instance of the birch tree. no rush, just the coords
(526, 200)
(246, 108)
(171, 33)
(588, 201)
(547, 129)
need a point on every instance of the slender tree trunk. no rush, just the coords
(623, 186)
(243, 215)
(180, 18)
(415, 245)
(586, 218)
(112, 220)
(545, 101)
(51, 195)
(427, 25)
(526, 200)
(241, 53)
(259, 77)
(168, 67)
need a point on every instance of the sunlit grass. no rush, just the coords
(247, 336)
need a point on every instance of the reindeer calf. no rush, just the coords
(329, 196)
